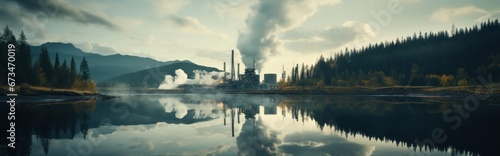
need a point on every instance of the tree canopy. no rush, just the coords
(414, 60)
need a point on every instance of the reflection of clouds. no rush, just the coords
(210, 151)
(257, 139)
(140, 128)
(205, 109)
(315, 143)
(140, 143)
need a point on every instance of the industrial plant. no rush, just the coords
(234, 79)
(250, 79)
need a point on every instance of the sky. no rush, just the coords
(275, 33)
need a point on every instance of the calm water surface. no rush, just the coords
(256, 125)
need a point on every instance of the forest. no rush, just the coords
(423, 59)
(42, 72)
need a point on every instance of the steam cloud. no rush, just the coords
(259, 38)
(205, 109)
(258, 140)
(200, 77)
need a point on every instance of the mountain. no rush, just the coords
(101, 67)
(152, 77)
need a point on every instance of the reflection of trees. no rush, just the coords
(401, 121)
(46, 122)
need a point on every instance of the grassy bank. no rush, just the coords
(329, 90)
(28, 90)
(390, 90)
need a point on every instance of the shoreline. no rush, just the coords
(37, 95)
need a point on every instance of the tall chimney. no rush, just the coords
(232, 64)
(225, 70)
(283, 73)
(238, 76)
(254, 63)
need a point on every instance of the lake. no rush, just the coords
(219, 124)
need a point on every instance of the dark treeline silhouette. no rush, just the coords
(408, 124)
(42, 72)
(432, 59)
(405, 121)
(46, 122)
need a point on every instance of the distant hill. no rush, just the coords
(151, 78)
(101, 67)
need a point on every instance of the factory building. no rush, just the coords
(270, 81)
(232, 80)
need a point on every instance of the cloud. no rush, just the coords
(192, 25)
(42, 10)
(140, 143)
(315, 143)
(219, 56)
(96, 48)
(491, 16)
(235, 9)
(258, 39)
(222, 148)
(326, 39)
(170, 6)
(445, 14)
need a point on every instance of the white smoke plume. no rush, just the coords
(200, 77)
(257, 139)
(259, 38)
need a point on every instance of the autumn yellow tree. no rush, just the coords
(446, 80)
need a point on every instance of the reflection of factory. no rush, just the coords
(249, 110)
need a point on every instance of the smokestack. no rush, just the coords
(238, 76)
(224, 70)
(283, 73)
(232, 64)
(254, 63)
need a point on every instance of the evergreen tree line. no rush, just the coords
(42, 72)
(429, 59)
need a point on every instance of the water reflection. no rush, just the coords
(406, 122)
(251, 125)
(46, 122)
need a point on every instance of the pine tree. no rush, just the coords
(58, 75)
(46, 65)
(84, 70)
(57, 63)
(296, 74)
(23, 61)
(302, 75)
(64, 77)
(5, 40)
(72, 71)
(39, 75)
